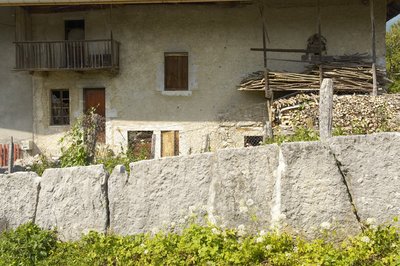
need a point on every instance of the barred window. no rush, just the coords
(59, 107)
(251, 141)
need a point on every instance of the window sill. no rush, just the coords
(177, 93)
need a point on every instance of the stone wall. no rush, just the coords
(294, 187)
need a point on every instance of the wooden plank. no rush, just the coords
(373, 39)
(168, 139)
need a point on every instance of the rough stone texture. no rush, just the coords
(243, 186)
(313, 190)
(159, 192)
(18, 198)
(73, 200)
(371, 165)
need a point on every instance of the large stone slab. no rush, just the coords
(18, 198)
(243, 186)
(159, 192)
(73, 200)
(371, 165)
(313, 191)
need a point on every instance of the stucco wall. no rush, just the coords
(15, 87)
(295, 187)
(218, 39)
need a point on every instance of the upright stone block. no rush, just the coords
(159, 192)
(313, 190)
(18, 198)
(73, 200)
(371, 164)
(243, 186)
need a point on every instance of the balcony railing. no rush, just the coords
(67, 55)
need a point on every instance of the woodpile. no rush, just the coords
(350, 74)
(352, 114)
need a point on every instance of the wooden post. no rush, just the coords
(321, 70)
(326, 109)
(11, 156)
(373, 33)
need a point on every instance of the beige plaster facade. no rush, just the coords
(217, 39)
(15, 88)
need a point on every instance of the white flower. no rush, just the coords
(259, 239)
(146, 251)
(262, 233)
(243, 209)
(241, 227)
(241, 233)
(249, 202)
(365, 239)
(142, 245)
(325, 226)
(215, 231)
(268, 247)
(370, 221)
(192, 209)
(296, 249)
(173, 224)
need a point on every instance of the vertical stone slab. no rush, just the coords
(326, 109)
(313, 191)
(244, 185)
(73, 200)
(159, 192)
(371, 165)
(18, 198)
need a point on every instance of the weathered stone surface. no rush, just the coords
(243, 185)
(74, 200)
(312, 190)
(159, 192)
(18, 198)
(371, 165)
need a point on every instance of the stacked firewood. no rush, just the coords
(348, 76)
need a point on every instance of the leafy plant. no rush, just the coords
(300, 134)
(26, 245)
(43, 164)
(79, 143)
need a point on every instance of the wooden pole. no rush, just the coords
(321, 70)
(11, 156)
(326, 109)
(373, 31)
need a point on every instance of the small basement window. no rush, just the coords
(140, 144)
(176, 72)
(252, 141)
(59, 107)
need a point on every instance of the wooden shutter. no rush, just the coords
(169, 143)
(176, 71)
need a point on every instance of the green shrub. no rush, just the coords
(300, 134)
(43, 164)
(26, 245)
(200, 245)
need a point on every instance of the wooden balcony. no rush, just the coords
(67, 55)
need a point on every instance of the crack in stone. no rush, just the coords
(39, 187)
(105, 191)
(344, 179)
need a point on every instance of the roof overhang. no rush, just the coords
(393, 6)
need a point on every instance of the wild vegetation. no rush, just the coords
(200, 245)
(393, 57)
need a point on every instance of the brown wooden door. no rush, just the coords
(96, 98)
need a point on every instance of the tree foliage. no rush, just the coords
(393, 56)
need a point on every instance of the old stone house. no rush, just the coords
(159, 71)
